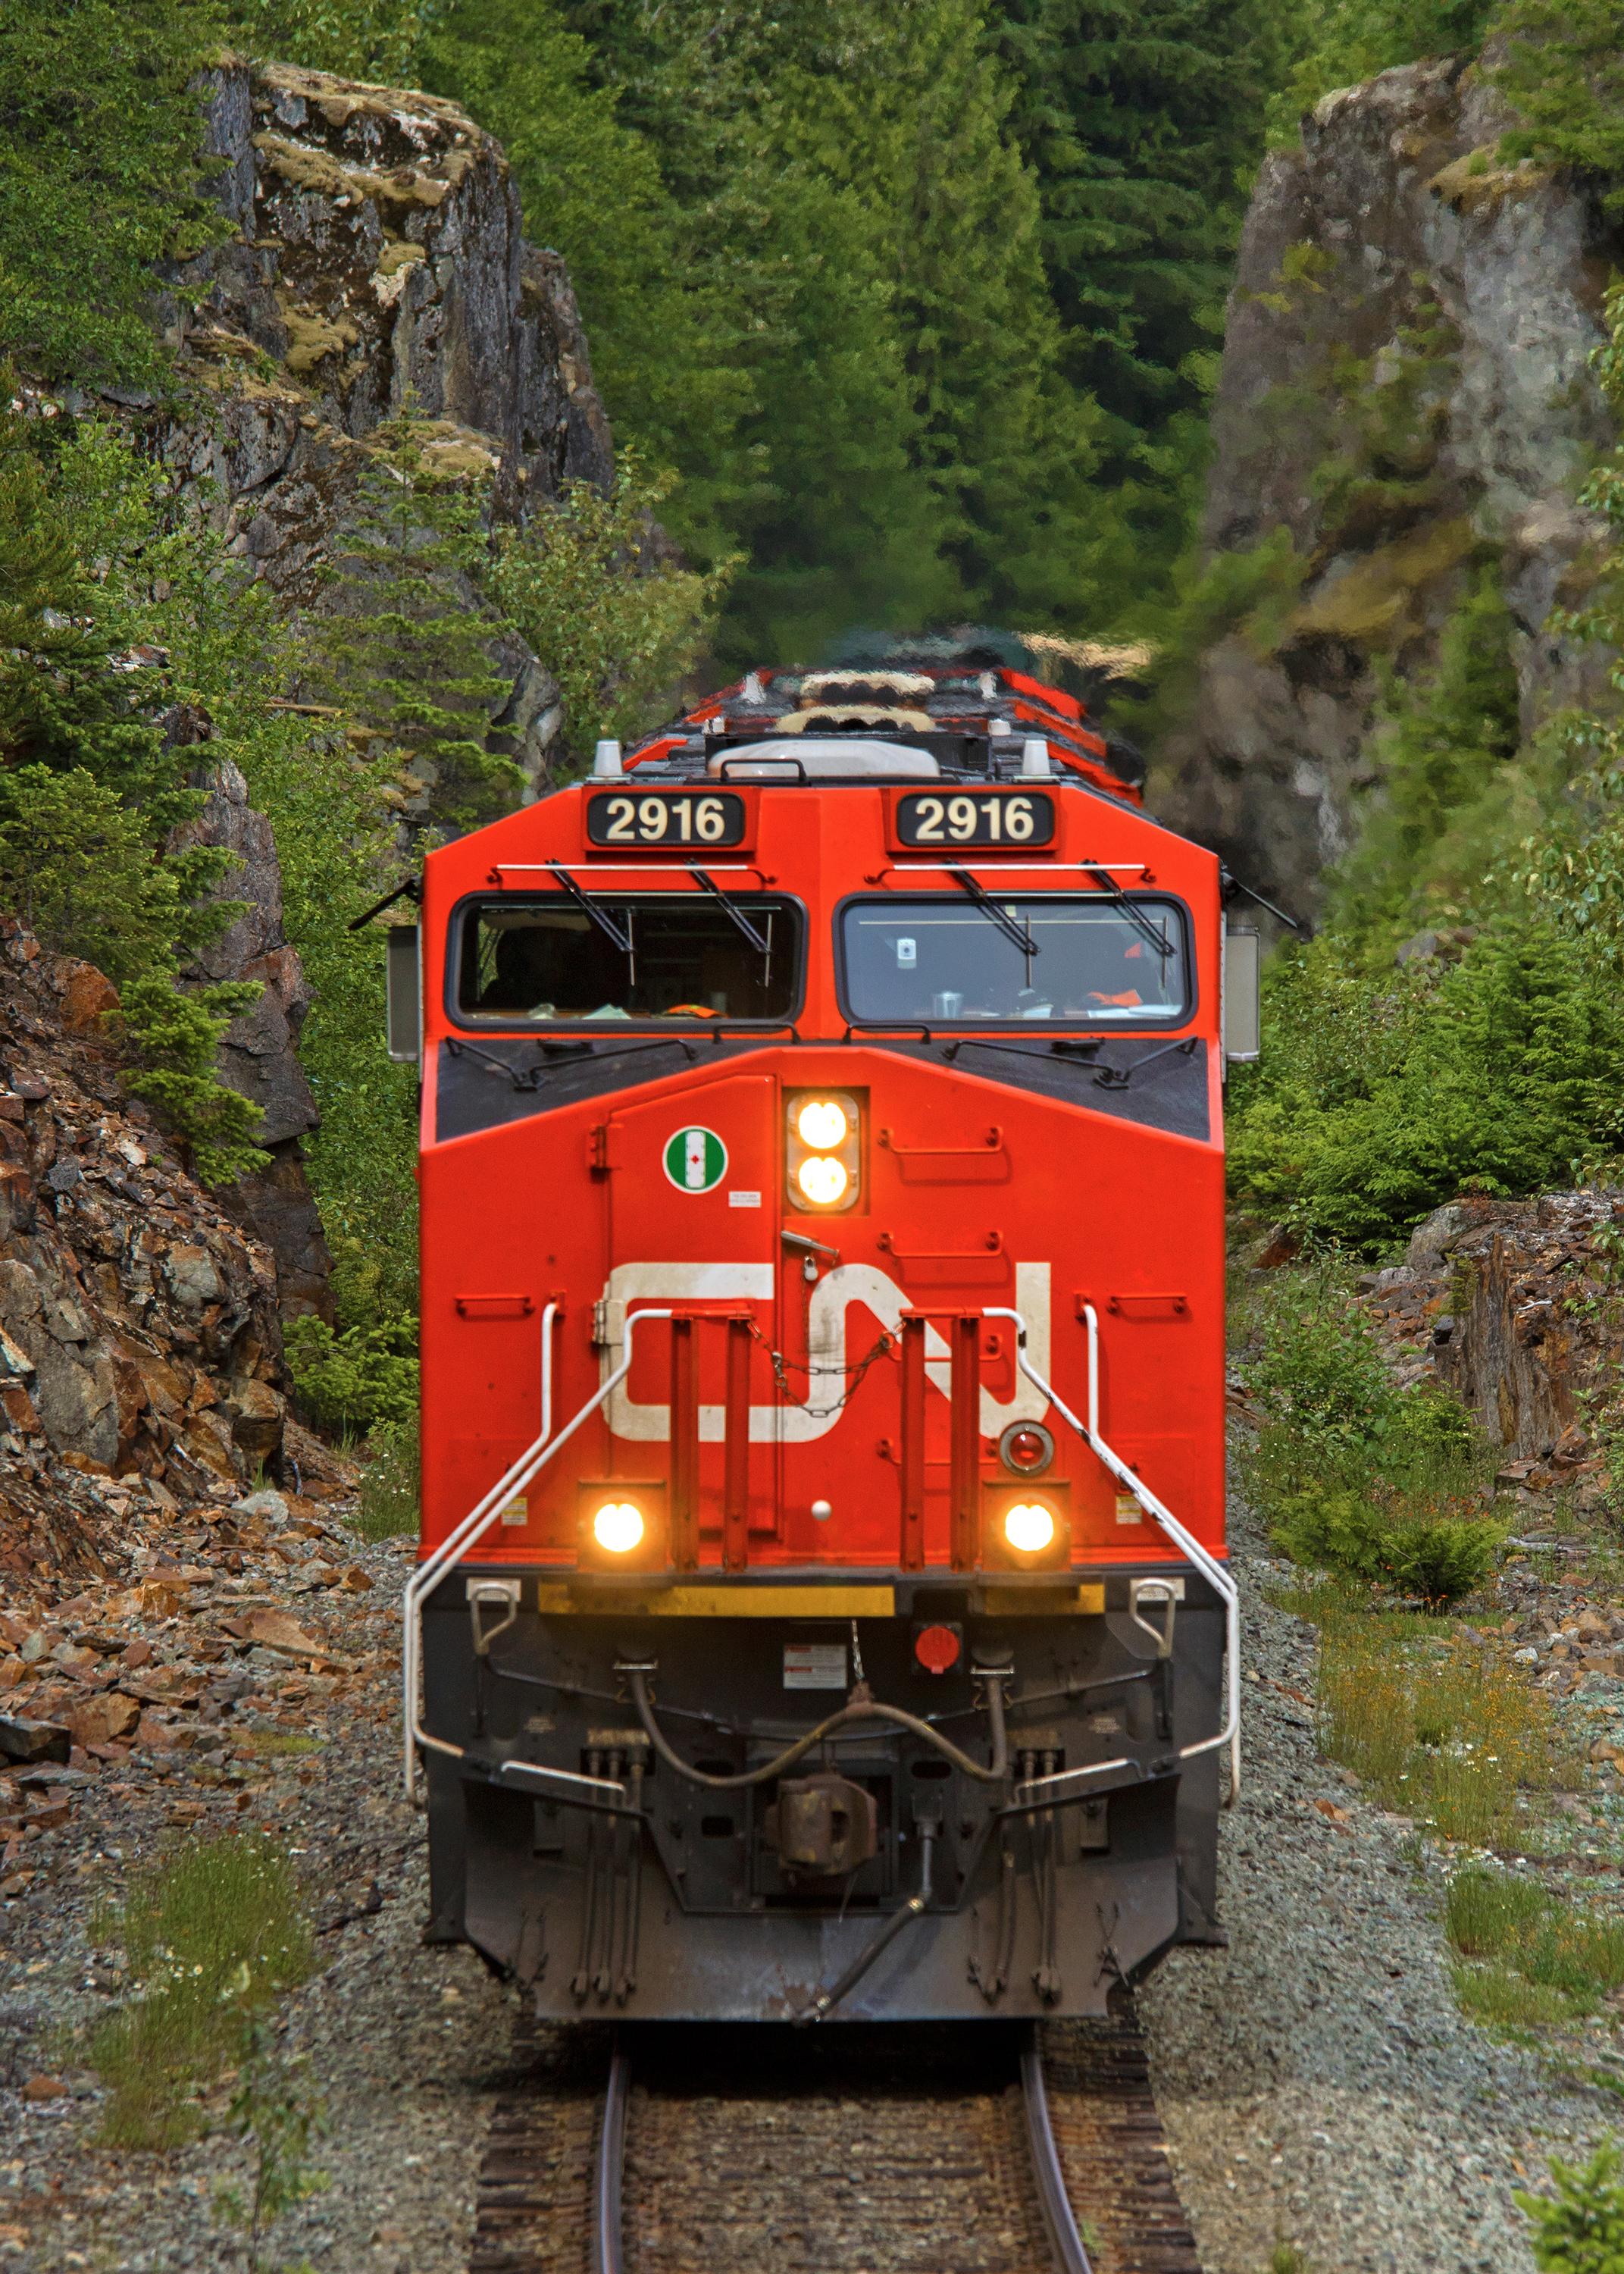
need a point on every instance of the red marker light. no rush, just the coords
(937, 1648)
(1026, 1450)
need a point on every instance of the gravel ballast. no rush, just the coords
(1317, 2082)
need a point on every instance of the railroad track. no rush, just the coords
(925, 2150)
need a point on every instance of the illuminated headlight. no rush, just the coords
(822, 1150)
(822, 1180)
(821, 1123)
(1028, 1527)
(617, 1527)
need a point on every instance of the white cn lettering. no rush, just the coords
(828, 1351)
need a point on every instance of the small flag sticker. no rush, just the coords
(695, 1160)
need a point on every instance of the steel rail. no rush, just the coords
(608, 2166)
(1064, 2240)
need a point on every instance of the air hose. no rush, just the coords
(861, 1707)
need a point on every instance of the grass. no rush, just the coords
(1286, 2258)
(390, 1484)
(280, 1741)
(1538, 1962)
(1434, 1726)
(210, 1935)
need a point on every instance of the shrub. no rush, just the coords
(176, 1035)
(1579, 2228)
(351, 1379)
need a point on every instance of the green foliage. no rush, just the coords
(808, 251)
(617, 631)
(1316, 1369)
(1574, 869)
(101, 178)
(78, 868)
(1439, 1558)
(1342, 41)
(377, 40)
(1448, 792)
(355, 1377)
(175, 1035)
(1579, 2228)
(400, 638)
(1563, 72)
(1354, 1477)
(275, 2111)
(1143, 127)
(1496, 1074)
(391, 1482)
(211, 1935)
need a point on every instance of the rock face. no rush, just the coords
(258, 1055)
(381, 257)
(1404, 393)
(139, 1331)
(1513, 1306)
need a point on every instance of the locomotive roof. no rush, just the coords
(969, 719)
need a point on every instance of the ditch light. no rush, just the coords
(621, 1525)
(1026, 1527)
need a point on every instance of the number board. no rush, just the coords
(1019, 818)
(668, 819)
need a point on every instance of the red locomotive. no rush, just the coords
(822, 1606)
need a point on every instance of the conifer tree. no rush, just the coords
(402, 639)
(102, 174)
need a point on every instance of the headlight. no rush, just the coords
(1028, 1527)
(822, 1123)
(822, 1150)
(617, 1526)
(822, 1180)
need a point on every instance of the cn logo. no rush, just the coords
(849, 1284)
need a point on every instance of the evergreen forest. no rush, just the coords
(905, 318)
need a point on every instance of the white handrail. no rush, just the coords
(477, 1523)
(1205, 1563)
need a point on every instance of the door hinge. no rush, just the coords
(603, 1145)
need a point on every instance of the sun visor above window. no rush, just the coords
(821, 758)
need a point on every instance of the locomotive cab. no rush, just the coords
(821, 1609)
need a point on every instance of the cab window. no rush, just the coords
(1008, 959)
(666, 956)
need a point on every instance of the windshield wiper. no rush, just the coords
(990, 910)
(1107, 883)
(599, 914)
(731, 908)
(1122, 1077)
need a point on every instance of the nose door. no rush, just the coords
(693, 1227)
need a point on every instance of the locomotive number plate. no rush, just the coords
(1019, 817)
(666, 817)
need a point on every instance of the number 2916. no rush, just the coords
(1027, 819)
(711, 819)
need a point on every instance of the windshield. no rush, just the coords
(1005, 958)
(616, 955)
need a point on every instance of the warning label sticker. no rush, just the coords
(815, 1666)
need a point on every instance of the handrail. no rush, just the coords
(473, 1526)
(1205, 1563)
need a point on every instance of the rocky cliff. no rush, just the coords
(139, 1332)
(1405, 393)
(380, 257)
